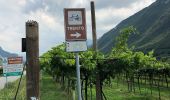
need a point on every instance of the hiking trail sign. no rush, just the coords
(75, 24)
(75, 29)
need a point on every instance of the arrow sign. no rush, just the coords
(76, 34)
(75, 24)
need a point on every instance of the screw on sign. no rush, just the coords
(75, 24)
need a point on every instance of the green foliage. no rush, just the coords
(121, 40)
(121, 45)
(55, 59)
(61, 64)
(122, 59)
(85, 60)
(129, 60)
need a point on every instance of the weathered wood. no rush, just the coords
(98, 83)
(32, 57)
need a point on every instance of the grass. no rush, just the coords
(49, 90)
(8, 93)
(120, 92)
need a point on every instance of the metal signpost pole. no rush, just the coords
(75, 28)
(6, 81)
(78, 76)
(6, 86)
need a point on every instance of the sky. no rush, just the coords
(49, 14)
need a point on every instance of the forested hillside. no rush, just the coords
(4, 53)
(153, 25)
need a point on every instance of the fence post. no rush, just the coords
(32, 57)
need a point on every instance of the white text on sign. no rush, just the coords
(73, 28)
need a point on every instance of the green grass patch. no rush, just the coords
(8, 93)
(120, 92)
(51, 90)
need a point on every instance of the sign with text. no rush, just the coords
(12, 66)
(75, 24)
(76, 46)
(15, 60)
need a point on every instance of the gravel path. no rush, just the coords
(9, 79)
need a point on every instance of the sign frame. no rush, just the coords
(76, 46)
(75, 24)
(13, 66)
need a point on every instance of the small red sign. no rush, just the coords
(75, 24)
(15, 60)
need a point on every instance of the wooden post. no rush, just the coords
(32, 57)
(93, 19)
(98, 83)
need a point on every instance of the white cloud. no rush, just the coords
(42, 17)
(109, 17)
(21, 2)
(49, 15)
(51, 29)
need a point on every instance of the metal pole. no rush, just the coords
(15, 98)
(6, 81)
(78, 77)
(6, 87)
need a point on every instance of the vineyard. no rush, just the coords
(132, 68)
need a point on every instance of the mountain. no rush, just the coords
(89, 42)
(4, 53)
(153, 24)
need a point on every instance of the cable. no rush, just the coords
(19, 82)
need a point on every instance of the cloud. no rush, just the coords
(11, 27)
(108, 12)
(110, 16)
(49, 15)
(114, 3)
(53, 7)
(51, 28)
